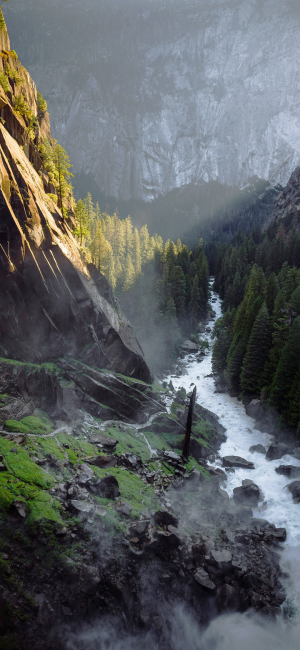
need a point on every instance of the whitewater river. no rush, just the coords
(277, 505)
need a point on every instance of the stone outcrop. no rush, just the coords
(287, 202)
(52, 306)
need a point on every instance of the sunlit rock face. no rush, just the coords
(148, 96)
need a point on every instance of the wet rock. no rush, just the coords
(45, 611)
(3, 467)
(18, 438)
(247, 495)
(227, 598)
(103, 461)
(130, 461)
(172, 456)
(189, 347)
(277, 450)
(222, 558)
(260, 449)
(107, 442)
(167, 540)
(255, 409)
(294, 488)
(100, 511)
(237, 461)
(223, 494)
(90, 580)
(66, 611)
(20, 507)
(107, 487)
(82, 507)
(288, 470)
(165, 518)
(203, 579)
(140, 529)
(123, 508)
(216, 471)
(275, 534)
(85, 474)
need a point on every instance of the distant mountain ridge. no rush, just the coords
(148, 98)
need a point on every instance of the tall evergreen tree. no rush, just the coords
(258, 349)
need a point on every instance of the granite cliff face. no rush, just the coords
(148, 97)
(53, 308)
(287, 204)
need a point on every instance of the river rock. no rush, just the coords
(247, 495)
(277, 450)
(237, 461)
(288, 470)
(167, 540)
(255, 409)
(294, 488)
(20, 507)
(123, 508)
(172, 456)
(103, 461)
(260, 449)
(85, 473)
(222, 558)
(204, 580)
(188, 346)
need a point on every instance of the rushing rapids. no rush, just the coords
(277, 504)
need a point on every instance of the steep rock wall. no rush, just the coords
(51, 304)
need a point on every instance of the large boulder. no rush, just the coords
(288, 470)
(259, 449)
(107, 487)
(277, 450)
(255, 409)
(247, 495)
(204, 580)
(294, 488)
(227, 598)
(237, 461)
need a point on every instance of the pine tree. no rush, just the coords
(129, 273)
(177, 281)
(62, 165)
(144, 243)
(258, 349)
(82, 222)
(136, 254)
(271, 292)
(195, 296)
(287, 369)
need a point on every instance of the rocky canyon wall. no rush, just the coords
(148, 97)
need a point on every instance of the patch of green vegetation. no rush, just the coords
(2, 21)
(87, 448)
(130, 380)
(22, 467)
(175, 406)
(4, 81)
(129, 442)
(157, 387)
(202, 429)
(158, 441)
(51, 448)
(39, 425)
(12, 74)
(3, 397)
(140, 496)
(41, 102)
(42, 508)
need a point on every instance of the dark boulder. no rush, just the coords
(204, 580)
(103, 461)
(255, 409)
(106, 442)
(288, 470)
(260, 449)
(277, 450)
(294, 488)
(130, 461)
(107, 487)
(90, 580)
(247, 495)
(237, 461)
(165, 518)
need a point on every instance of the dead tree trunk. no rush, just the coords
(188, 429)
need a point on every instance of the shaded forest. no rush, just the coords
(257, 349)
